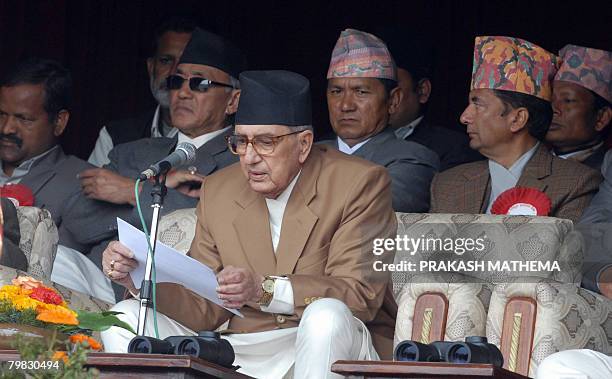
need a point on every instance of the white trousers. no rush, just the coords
(74, 270)
(576, 364)
(327, 332)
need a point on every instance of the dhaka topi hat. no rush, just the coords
(587, 67)
(513, 64)
(359, 54)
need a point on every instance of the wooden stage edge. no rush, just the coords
(422, 369)
(117, 362)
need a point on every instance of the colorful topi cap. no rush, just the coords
(361, 55)
(513, 64)
(587, 67)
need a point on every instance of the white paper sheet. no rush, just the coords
(171, 265)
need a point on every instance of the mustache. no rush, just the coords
(11, 138)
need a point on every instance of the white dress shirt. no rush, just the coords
(343, 147)
(282, 302)
(406, 130)
(503, 179)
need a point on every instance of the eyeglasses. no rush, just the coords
(196, 83)
(263, 145)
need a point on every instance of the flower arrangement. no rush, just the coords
(29, 302)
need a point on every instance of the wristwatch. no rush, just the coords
(268, 291)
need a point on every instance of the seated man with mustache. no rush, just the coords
(34, 112)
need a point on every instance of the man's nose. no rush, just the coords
(8, 125)
(466, 116)
(347, 103)
(555, 107)
(250, 156)
(185, 92)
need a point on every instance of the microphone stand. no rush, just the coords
(146, 289)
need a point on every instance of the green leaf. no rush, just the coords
(101, 321)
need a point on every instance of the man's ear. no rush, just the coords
(424, 90)
(305, 141)
(60, 122)
(395, 98)
(518, 119)
(604, 116)
(232, 104)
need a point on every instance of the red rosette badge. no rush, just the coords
(522, 201)
(21, 193)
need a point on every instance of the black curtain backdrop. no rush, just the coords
(105, 43)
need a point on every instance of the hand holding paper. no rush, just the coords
(171, 265)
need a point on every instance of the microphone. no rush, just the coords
(184, 154)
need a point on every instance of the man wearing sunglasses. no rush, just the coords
(362, 94)
(289, 232)
(203, 99)
(170, 40)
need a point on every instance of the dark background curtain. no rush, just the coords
(105, 43)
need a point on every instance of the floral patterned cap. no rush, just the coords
(587, 67)
(513, 64)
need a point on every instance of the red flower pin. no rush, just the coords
(23, 194)
(522, 201)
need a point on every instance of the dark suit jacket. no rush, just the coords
(410, 165)
(325, 247)
(54, 183)
(94, 221)
(11, 255)
(131, 129)
(467, 187)
(452, 147)
(596, 159)
(596, 227)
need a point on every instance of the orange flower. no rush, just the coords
(60, 355)
(27, 282)
(58, 316)
(80, 338)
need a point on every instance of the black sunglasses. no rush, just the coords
(196, 83)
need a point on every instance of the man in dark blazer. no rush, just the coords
(203, 99)
(362, 93)
(581, 101)
(34, 112)
(169, 41)
(506, 118)
(413, 55)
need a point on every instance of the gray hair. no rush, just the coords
(235, 83)
(302, 128)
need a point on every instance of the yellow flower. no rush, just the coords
(23, 302)
(58, 315)
(9, 292)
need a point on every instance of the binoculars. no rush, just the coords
(474, 350)
(206, 345)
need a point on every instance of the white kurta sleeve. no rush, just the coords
(282, 302)
(104, 144)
